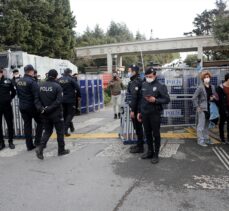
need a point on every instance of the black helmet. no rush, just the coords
(68, 71)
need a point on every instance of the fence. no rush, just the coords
(181, 84)
(91, 100)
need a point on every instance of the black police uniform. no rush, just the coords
(133, 98)
(7, 93)
(27, 89)
(70, 88)
(50, 106)
(151, 115)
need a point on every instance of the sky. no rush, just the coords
(166, 18)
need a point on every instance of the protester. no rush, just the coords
(204, 94)
(153, 96)
(116, 86)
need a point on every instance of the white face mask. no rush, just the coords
(150, 80)
(206, 80)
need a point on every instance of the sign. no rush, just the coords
(173, 82)
(172, 113)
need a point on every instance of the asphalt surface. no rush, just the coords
(100, 174)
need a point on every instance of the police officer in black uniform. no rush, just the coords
(7, 93)
(70, 88)
(50, 106)
(154, 95)
(27, 89)
(133, 98)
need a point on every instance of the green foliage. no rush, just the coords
(116, 33)
(191, 59)
(42, 27)
(107, 96)
(216, 22)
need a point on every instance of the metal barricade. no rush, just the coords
(181, 84)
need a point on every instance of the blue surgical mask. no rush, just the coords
(129, 74)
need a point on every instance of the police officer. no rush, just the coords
(7, 93)
(133, 98)
(50, 105)
(16, 76)
(27, 90)
(154, 95)
(70, 88)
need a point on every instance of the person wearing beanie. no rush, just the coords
(27, 90)
(133, 99)
(7, 93)
(70, 89)
(153, 96)
(50, 107)
(204, 94)
(116, 85)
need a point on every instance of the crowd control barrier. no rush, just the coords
(91, 100)
(181, 84)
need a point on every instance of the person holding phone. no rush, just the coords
(153, 96)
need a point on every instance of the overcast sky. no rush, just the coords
(167, 18)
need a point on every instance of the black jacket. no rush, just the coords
(7, 90)
(222, 102)
(157, 90)
(50, 99)
(70, 88)
(133, 92)
(27, 90)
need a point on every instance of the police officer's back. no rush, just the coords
(70, 88)
(50, 105)
(7, 93)
(27, 89)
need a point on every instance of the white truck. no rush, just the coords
(19, 59)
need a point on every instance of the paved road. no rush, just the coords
(100, 174)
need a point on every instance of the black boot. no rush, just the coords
(2, 145)
(39, 152)
(148, 155)
(72, 129)
(139, 148)
(63, 152)
(11, 145)
(115, 116)
(155, 159)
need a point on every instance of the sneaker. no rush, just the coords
(63, 152)
(31, 148)
(137, 149)
(202, 144)
(208, 141)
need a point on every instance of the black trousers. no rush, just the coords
(49, 124)
(138, 128)
(69, 112)
(223, 118)
(152, 123)
(7, 111)
(28, 115)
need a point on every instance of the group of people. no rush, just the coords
(207, 99)
(50, 103)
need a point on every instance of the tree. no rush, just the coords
(191, 59)
(42, 27)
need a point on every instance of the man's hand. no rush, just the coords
(139, 117)
(132, 115)
(150, 99)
